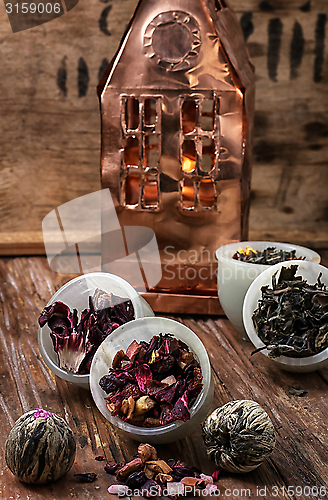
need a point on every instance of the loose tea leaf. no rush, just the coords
(159, 385)
(297, 392)
(292, 317)
(269, 256)
(76, 342)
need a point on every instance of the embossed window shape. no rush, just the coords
(141, 137)
(199, 152)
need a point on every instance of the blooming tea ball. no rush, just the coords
(239, 436)
(40, 447)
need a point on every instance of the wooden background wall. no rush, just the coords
(50, 126)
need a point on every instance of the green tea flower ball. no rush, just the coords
(239, 436)
(40, 447)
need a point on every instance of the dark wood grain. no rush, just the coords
(299, 459)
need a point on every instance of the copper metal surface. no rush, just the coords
(177, 111)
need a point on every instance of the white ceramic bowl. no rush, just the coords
(76, 294)
(308, 270)
(234, 276)
(145, 329)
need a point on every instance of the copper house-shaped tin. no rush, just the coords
(177, 111)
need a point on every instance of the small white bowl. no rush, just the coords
(75, 294)
(145, 329)
(308, 270)
(234, 276)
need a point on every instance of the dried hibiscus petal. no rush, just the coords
(143, 376)
(167, 394)
(180, 410)
(76, 342)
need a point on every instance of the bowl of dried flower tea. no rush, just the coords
(152, 379)
(241, 262)
(79, 316)
(286, 315)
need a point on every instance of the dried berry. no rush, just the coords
(136, 480)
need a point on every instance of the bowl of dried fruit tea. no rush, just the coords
(241, 262)
(286, 315)
(79, 316)
(152, 379)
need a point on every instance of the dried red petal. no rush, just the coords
(143, 375)
(133, 350)
(180, 410)
(216, 474)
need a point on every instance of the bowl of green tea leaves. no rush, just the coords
(285, 315)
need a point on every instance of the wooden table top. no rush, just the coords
(299, 461)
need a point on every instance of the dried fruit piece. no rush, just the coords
(147, 452)
(127, 469)
(118, 489)
(162, 478)
(118, 358)
(143, 404)
(163, 466)
(133, 350)
(156, 475)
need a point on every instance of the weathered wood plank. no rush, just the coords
(300, 457)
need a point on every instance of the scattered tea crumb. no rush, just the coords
(87, 477)
(297, 392)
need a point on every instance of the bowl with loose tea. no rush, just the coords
(152, 379)
(79, 316)
(241, 262)
(286, 315)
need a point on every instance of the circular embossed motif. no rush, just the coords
(172, 41)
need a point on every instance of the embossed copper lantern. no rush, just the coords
(177, 111)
